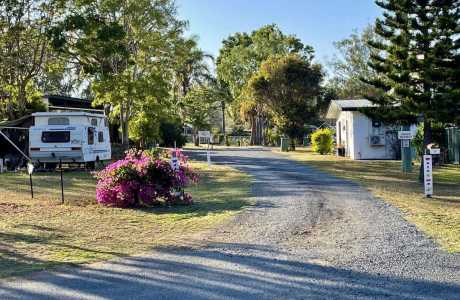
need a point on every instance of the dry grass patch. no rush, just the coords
(41, 233)
(439, 217)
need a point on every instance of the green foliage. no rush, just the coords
(240, 58)
(288, 87)
(351, 66)
(417, 63)
(128, 50)
(171, 132)
(417, 60)
(273, 137)
(322, 141)
(144, 128)
(24, 52)
(198, 105)
(242, 54)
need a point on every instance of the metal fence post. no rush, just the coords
(62, 182)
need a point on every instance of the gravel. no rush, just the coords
(309, 236)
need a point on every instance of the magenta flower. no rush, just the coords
(141, 180)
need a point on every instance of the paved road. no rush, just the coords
(310, 236)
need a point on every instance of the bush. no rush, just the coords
(170, 132)
(141, 179)
(322, 141)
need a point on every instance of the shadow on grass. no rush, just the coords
(14, 262)
(248, 271)
(388, 175)
(213, 194)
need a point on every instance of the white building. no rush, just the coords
(359, 137)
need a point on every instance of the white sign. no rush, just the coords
(428, 174)
(405, 135)
(30, 168)
(405, 143)
(174, 163)
(204, 134)
(435, 151)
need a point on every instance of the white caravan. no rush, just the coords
(72, 137)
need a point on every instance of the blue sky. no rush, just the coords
(316, 22)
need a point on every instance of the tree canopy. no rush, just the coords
(288, 86)
(417, 62)
(351, 65)
(240, 58)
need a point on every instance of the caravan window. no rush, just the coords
(56, 136)
(90, 136)
(58, 121)
(100, 136)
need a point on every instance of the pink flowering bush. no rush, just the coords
(145, 179)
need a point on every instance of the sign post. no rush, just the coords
(174, 162)
(207, 135)
(428, 174)
(62, 182)
(30, 170)
(406, 153)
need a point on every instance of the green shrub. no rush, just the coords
(170, 132)
(322, 141)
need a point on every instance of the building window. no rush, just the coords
(100, 136)
(93, 122)
(56, 136)
(90, 136)
(58, 121)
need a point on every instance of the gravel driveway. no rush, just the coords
(310, 236)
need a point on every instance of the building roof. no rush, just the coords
(337, 106)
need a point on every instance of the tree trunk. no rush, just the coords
(196, 139)
(427, 139)
(223, 121)
(124, 127)
(252, 122)
(259, 130)
(22, 99)
(256, 130)
(292, 140)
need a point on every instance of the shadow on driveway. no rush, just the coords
(215, 273)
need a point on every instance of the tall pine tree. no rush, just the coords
(417, 62)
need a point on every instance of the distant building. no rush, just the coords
(359, 137)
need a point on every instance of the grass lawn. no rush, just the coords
(41, 233)
(438, 217)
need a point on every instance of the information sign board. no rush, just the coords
(428, 174)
